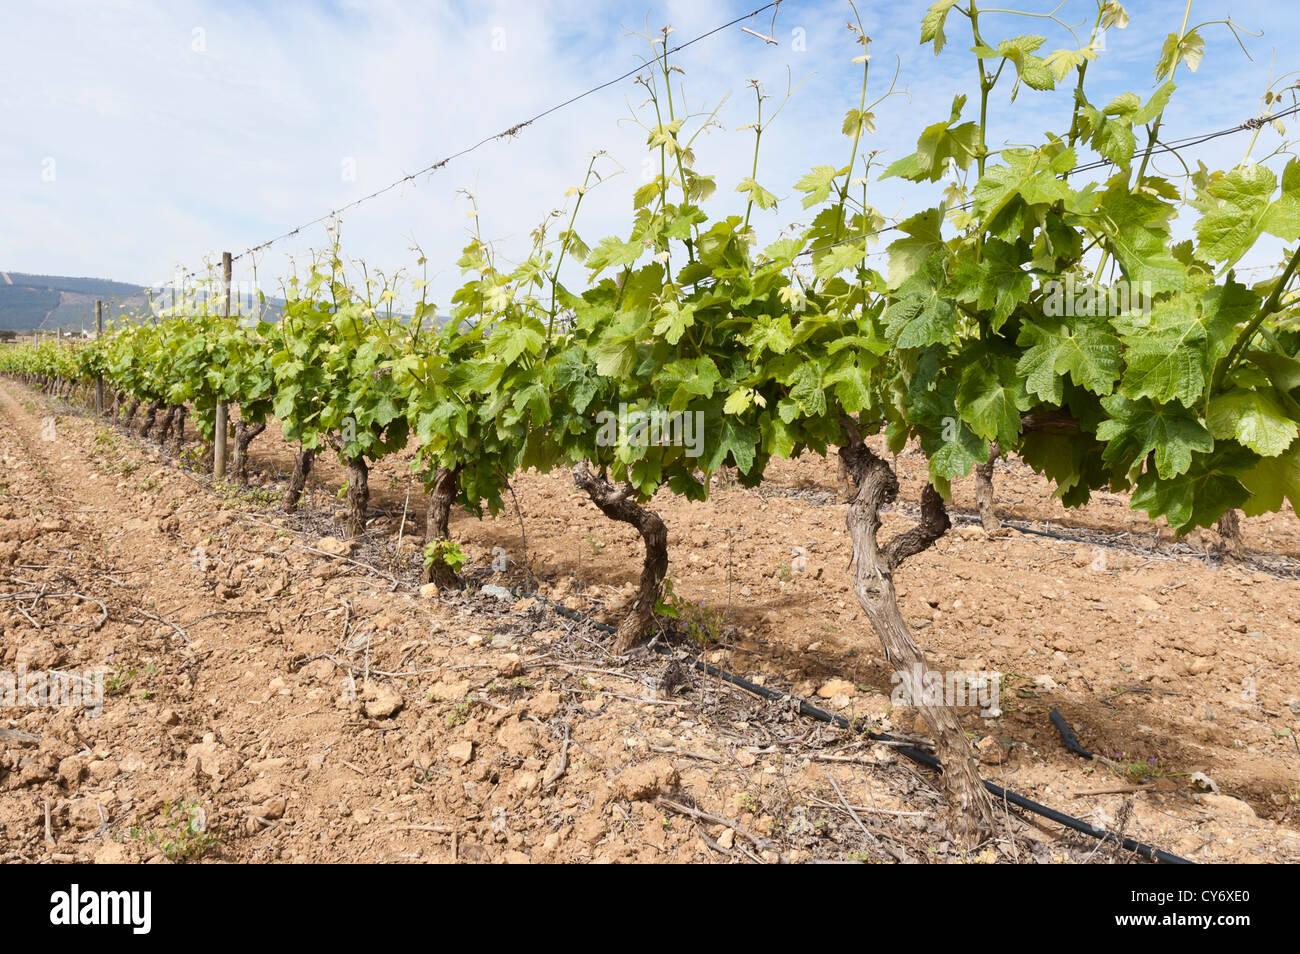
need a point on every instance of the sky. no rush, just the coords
(145, 137)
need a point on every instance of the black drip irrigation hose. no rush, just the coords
(1276, 573)
(1022, 526)
(915, 754)
(1068, 738)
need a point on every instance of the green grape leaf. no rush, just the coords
(1171, 356)
(1199, 497)
(939, 147)
(1137, 231)
(906, 255)
(932, 24)
(816, 185)
(991, 397)
(1271, 482)
(1189, 49)
(997, 284)
(1088, 351)
(613, 252)
(757, 194)
(1239, 207)
(916, 321)
(1136, 428)
(1255, 419)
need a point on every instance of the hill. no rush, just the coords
(52, 301)
(48, 302)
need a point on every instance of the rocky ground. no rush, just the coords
(272, 693)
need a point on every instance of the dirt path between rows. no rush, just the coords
(1165, 660)
(266, 702)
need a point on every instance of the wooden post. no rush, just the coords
(219, 445)
(99, 333)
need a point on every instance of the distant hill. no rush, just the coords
(48, 302)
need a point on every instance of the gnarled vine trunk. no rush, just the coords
(873, 569)
(178, 428)
(618, 504)
(724, 478)
(244, 435)
(165, 426)
(150, 417)
(131, 408)
(1231, 543)
(844, 489)
(298, 480)
(984, 490)
(358, 496)
(437, 526)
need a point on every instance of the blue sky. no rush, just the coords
(141, 136)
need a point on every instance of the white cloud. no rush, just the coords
(172, 144)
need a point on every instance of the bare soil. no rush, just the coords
(269, 699)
